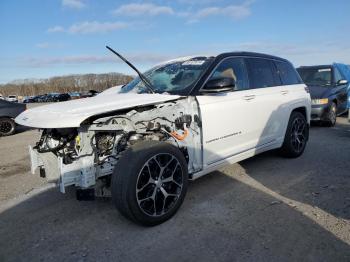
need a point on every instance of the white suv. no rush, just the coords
(178, 121)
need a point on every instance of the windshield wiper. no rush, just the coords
(142, 76)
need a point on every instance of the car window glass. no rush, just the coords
(337, 75)
(316, 75)
(232, 68)
(287, 73)
(172, 77)
(344, 70)
(260, 73)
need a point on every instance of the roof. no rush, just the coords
(252, 54)
(223, 55)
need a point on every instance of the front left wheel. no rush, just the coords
(149, 182)
(331, 118)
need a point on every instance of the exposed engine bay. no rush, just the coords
(86, 156)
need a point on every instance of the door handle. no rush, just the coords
(284, 92)
(248, 98)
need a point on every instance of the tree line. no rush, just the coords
(64, 84)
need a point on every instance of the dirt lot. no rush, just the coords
(263, 209)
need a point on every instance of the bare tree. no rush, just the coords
(64, 84)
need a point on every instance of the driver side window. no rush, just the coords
(233, 68)
(337, 75)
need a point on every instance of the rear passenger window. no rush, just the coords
(233, 68)
(261, 73)
(287, 73)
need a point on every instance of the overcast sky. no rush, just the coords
(43, 38)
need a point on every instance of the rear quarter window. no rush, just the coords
(262, 73)
(287, 73)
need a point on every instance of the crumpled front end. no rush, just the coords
(61, 159)
(86, 156)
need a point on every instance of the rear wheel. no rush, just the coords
(7, 126)
(149, 182)
(331, 117)
(296, 136)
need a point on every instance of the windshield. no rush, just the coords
(172, 77)
(316, 76)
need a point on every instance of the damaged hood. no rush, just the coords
(73, 113)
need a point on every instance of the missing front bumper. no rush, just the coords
(80, 173)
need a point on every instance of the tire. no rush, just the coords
(331, 117)
(296, 136)
(137, 189)
(7, 126)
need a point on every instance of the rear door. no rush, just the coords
(292, 91)
(270, 112)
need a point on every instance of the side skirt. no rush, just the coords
(236, 158)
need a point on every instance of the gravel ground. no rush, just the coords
(266, 208)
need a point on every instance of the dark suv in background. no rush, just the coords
(8, 111)
(328, 85)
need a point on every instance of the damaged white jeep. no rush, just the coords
(142, 142)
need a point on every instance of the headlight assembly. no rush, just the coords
(322, 101)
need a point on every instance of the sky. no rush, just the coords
(44, 38)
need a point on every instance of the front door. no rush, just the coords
(340, 91)
(250, 117)
(237, 121)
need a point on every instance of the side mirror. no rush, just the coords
(217, 85)
(342, 82)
